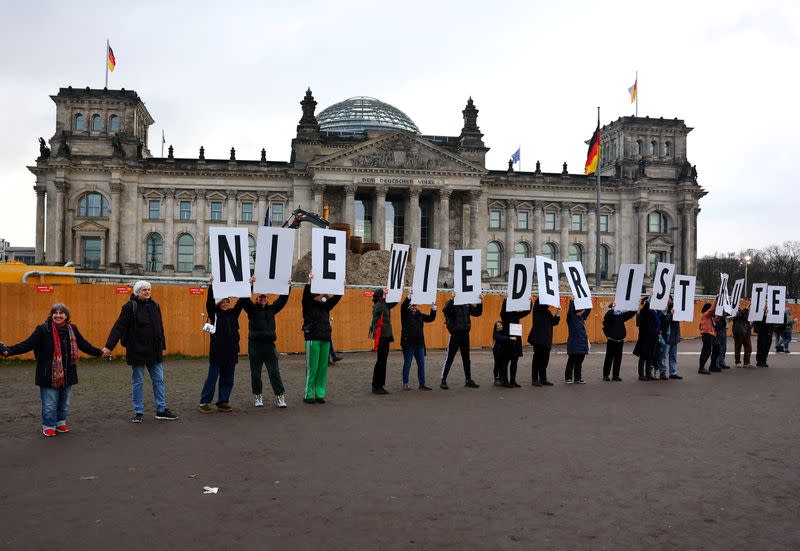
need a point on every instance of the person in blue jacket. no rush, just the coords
(577, 343)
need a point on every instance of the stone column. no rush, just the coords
(169, 229)
(641, 210)
(200, 256)
(319, 191)
(444, 226)
(62, 187)
(128, 220)
(379, 217)
(349, 210)
(41, 191)
(590, 262)
(262, 208)
(413, 218)
(566, 223)
(538, 222)
(474, 196)
(114, 223)
(693, 251)
(686, 210)
(231, 207)
(511, 224)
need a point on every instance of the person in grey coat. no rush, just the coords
(577, 343)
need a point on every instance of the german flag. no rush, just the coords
(593, 155)
(112, 62)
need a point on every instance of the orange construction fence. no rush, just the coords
(95, 307)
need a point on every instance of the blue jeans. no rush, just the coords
(671, 352)
(785, 339)
(156, 372)
(723, 348)
(55, 406)
(225, 375)
(418, 353)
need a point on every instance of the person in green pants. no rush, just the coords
(317, 333)
(261, 344)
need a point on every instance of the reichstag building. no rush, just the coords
(105, 203)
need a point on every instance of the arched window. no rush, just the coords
(154, 253)
(494, 258)
(668, 149)
(639, 147)
(521, 250)
(549, 250)
(97, 123)
(93, 205)
(251, 242)
(575, 253)
(653, 148)
(80, 122)
(185, 253)
(656, 222)
(653, 258)
(605, 253)
(113, 123)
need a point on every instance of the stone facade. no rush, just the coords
(106, 204)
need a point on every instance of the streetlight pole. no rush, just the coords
(747, 259)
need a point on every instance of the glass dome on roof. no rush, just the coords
(363, 113)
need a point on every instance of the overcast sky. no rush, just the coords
(224, 74)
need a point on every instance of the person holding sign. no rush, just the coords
(615, 331)
(783, 334)
(458, 323)
(515, 343)
(261, 337)
(709, 335)
(501, 351)
(381, 330)
(764, 331)
(541, 338)
(223, 352)
(671, 333)
(412, 340)
(317, 334)
(577, 343)
(741, 337)
(648, 344)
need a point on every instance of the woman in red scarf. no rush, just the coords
(55, 344)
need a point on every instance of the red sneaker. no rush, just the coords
(62, 428)
(49, 432)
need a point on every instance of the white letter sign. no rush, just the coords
(397, 272)
(758, 302)
(578, 285)
(547, 281)
(662, 283)
(274, 251)
(723, 299)
(230, 264)
(736, 295)
(776, 304)
(629, 286)
(467, 276)
(683, 298)
(520, 284)
(328, 259)
(426, 274)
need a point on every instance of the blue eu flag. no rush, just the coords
(515, 157)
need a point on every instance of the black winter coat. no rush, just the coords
(457, 318)
(224, 347)
(543, 322)
(261, 319)
(317, 316)
(41, 342)
(647, 345)
(413, 325)
(512, 317)
(143, 332)
(614, 324)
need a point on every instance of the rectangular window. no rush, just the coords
(154, 209)
(399, 218)
(91, 252)
(494, 219)
(604, 222)
(577, 222)
(522, 220)
(276, 214)
(550, 221)
(425, 233)
(363, 227)
(247, 212)
(186, 210)
(216, 210)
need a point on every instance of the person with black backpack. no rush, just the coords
(615, 331)
(140, 330)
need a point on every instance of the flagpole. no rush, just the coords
(162, 143)
(597, 217)
(106, 62)
(519, 148)
(636, 83)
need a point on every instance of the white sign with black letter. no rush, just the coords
(662, 283)
(578, 284)
(274, 252)
(230, 264)
(776, 304)
(736, 295)
(547, 281)
(397, 272)
(426, 274)
(758, 304)
(629, 286)
(723, 299)
(683, 298)
(520, 284)
(328, 259)
(467, 276)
